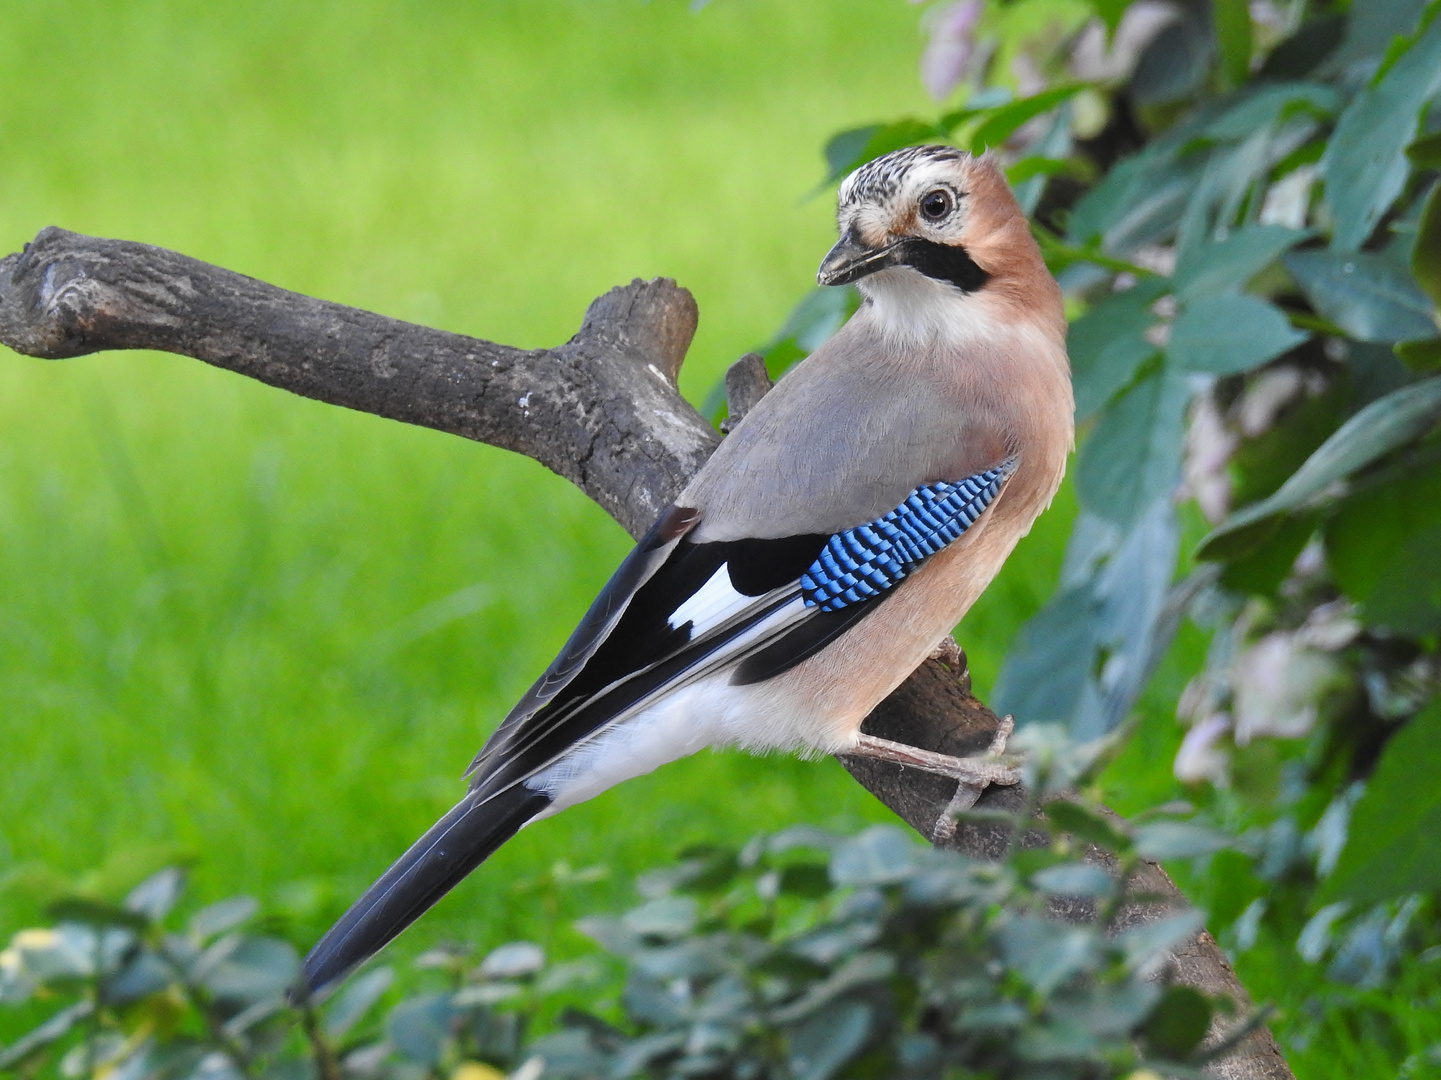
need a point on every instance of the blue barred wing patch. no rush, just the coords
(865, 561)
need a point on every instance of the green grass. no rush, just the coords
(271, 632)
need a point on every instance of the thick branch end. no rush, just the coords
(747, 381)
(48, 301)
(652, 322)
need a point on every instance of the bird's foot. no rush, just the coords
(948, 652)
(972, 774)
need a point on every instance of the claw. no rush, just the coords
(972, 775)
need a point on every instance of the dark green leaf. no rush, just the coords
(57, 1027)
(1226, 266)
(1139, 201)
(1148, 943)
(1045, 952)
(1370, 296)
(1365, 166)
(1003, 122)
(420, 1026)
(1425, 152)
(157, 894)
(1262, 570)
(880, 855)
(1047, 669)
(1176, 61)
(1384, 425)
(1055, 1040)
(572, 1052)
(860, 970)
(1112, 1010)
(1371, 29)
(844, 149)
(144, 975)
(295, 1069)
(1422, 356)
(1179, 840)
(663, 917)
(1133, 456)
(1426, 256)
(805, 879)
(640, 1053)
(801, 836)
(992, 97)
(1262, 105)
(1179, 1022)
(1382, 547)
(1226, 335)
(1233, 38)
(356, 999)
(1087, 825)
(1083, 659)
(1002, 1016)
(257, 968)
(821, 1046)
(1302, 53)
(1075, 879)
(1030, 167)
(1107, 345)
(513, 960)
(223, 916)
(1110, 12)
(1395, 837)
(82, 909)
(851, 149)
(1264, 463)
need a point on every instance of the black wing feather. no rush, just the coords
(648, 556)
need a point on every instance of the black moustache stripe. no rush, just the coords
(944, 262)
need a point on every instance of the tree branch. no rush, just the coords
(602, 410)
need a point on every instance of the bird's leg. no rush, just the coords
(972, 775)
(968, 770)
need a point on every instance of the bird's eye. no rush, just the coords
(937, 204)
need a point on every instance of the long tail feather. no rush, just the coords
(453, 847)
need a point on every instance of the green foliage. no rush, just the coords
(801, 956)
(1133, 458)
(1399, 817)
(1245, 217)
(1376, 431)
(1364, 165)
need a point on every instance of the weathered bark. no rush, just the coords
(602, 410)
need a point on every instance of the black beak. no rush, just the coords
(851, 259)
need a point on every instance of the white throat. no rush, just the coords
(911, 309)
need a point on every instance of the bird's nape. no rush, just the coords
(453, 847)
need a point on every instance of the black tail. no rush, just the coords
(435, 864)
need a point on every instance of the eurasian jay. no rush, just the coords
(833, 540)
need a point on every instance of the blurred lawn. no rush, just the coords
(271, 632)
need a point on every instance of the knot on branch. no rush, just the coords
(651, 322)
(65, 293)
(49, 298)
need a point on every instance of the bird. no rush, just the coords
(836, 536)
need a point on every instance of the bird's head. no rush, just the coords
(933, 223)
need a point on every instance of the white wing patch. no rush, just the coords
(710, 605)
(697, 710)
